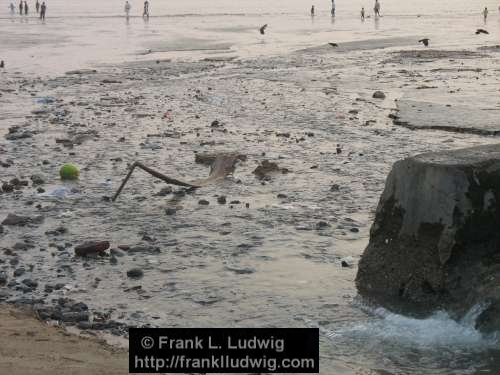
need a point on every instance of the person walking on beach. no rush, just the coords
(363, 14)
(25, 8)
(43, 9)
(333, 8)
(37, 7)
(376, 9)
(21, 7)
(312, 11)
(485, 14)
(12, 8)
(127, 8)
(146, 9)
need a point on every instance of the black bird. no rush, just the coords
(481, 31)
(263, 29)
(333, 44)
(425, 41)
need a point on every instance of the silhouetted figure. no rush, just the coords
(12, 8)
(37, 7)
(333, 8)
(146, 9)
(263, 29)
(127, 8)
(26, 8)
(485, 14)
(43, 9)
(362, 14)
(376, 8)
(481, 31)
(21, 7)
(424, 41)
(2, 64)
(312, 11)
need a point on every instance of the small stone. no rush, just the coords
(354, 230)
(322, 225)
(32, 284)
(282, 196)
(378, 95)
(19, 271)
(221, 199)
(37, 180)
(203, 202)
(164, 192)
(170, 211)
(345, 264)
(3, 278)
(335, 187)
(14, 220)
(135, 273)
(91, 247)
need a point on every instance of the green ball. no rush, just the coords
(69, 172)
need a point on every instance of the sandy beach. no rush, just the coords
(31, 347)
(273, 250)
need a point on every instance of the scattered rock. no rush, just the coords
(14, 220)
(135, 273)
(221, 199)
(3, 278)
(378, 95)
(203, 202)
(91, 248)
(322, 225)
(170, 211)
(164, 192)
(266, 168)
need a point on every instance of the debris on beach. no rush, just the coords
(266, 168)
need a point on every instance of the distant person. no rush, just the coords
(25, 8)
(37, 7)
(127, 8)
(43, 9)
(376, 9)
(12, 8)
(485, 13)
(2, 64)
(21, 7)
(333, 8)
(312, 11)
(146, 9)
(362, 14)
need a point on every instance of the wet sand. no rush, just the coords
(28, 346)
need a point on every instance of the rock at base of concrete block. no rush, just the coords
(435, 242)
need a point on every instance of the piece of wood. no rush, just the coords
(222, 166)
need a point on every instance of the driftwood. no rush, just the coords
(221, 165)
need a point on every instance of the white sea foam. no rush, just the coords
(437, 330)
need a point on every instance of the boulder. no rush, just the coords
(435, 242)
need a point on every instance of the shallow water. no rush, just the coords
(90, 32)
(269, 264)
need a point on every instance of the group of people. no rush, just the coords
(145, 13)
(24, 8)
(376, 10)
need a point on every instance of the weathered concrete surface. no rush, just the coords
(462, 119)
(435, 242)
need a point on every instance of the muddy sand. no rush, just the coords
(29, 346)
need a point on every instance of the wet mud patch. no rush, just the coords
(423, 56)
(461, 119)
